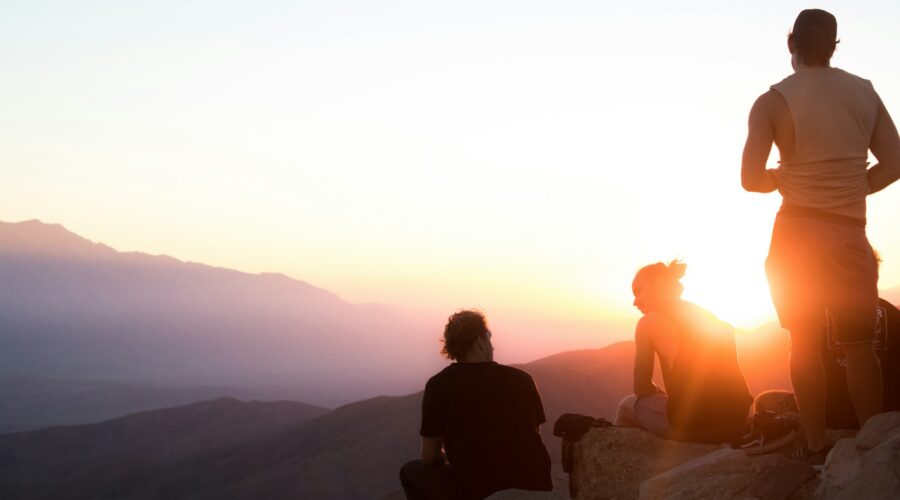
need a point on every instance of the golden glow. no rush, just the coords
(739, 298)
(421, 158)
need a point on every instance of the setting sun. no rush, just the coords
(740, 297)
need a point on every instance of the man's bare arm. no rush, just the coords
(643, 359)
(433, 450)
(760, 137)
(885, 146)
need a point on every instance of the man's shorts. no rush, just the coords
(817, 268)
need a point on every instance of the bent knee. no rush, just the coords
(628, 402)
(625, 413)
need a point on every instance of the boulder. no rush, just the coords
(625, 463)
(779, 478)
(877, 429)
(610, 463)
(867, 466)
(526, 495)
(724, 473)
(842, 465)
(728, 473)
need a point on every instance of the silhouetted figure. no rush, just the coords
(706, 398)
(839, 413)
(485, 416)
(824, 122)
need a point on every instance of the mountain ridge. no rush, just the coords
(353, 451)
(35, 237)
(72, 308)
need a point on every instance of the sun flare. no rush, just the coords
(741, 299)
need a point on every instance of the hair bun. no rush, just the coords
(677, 269)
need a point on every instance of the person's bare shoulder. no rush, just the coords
(768, 107)
(652, 324)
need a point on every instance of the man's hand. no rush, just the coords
(886, 148)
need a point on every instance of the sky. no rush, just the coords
(526, 159)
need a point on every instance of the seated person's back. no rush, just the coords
(486, 416)
(706, 397)
(705, 386)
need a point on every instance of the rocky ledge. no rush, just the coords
(623, 464)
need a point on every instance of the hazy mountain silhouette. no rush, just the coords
(351, 452)
(118, 456)
(73, 308)
(28, 403)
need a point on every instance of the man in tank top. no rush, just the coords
(824, 122)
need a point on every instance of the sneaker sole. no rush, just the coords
(771, 446)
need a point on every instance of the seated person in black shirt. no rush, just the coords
(480, 423)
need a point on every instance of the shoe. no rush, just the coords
(769, 432)
(758, 444)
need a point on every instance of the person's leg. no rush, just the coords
(853, 303)
(651, 414)
(864, 381)
(625, 416)
(798, 268)
(808, 379)
(424, 482)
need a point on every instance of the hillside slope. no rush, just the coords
(354, 451)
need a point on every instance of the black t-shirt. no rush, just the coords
(488, 415)
(839, 412)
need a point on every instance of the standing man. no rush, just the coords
(480, 423)
(824, 122)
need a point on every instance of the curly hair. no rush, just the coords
(462, 330)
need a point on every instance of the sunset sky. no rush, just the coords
(523, 157)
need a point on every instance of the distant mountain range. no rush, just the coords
(72, 308)
(352, 452)
(87, 333)
(120, 458)
(229, 449)
(28, 403)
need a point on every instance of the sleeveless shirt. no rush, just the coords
(834, 114)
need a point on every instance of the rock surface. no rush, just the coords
(867, 466)
(721, 473)
(729, 473)
(610, 463)
(623, 463)
(779, 478)
(526, 495)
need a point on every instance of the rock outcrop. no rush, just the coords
(610, 463)
(867, 466)
(624, 464)
(526, 495)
